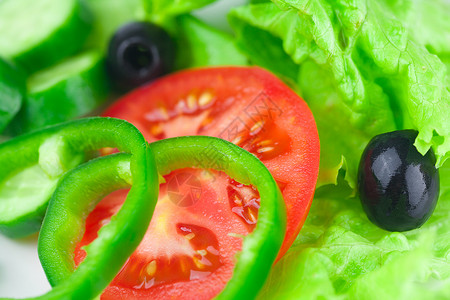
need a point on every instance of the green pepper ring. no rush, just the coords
(58, 149)
(260, 248)
(127, 229)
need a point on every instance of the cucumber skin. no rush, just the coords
(12, 91)
(55, 47)
(68, 99)
(26, 224)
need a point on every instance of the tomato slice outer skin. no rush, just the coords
(249, 107)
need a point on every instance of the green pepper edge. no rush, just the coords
(126, 229)
(260, 248)
(250, 271)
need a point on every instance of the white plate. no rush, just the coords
(21, 274)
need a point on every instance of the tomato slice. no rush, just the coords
(201, 216)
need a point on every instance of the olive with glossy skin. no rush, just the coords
(398, 186)
(139, 52)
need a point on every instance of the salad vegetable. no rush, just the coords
(204, 45)
(355, 61)
(54, 150)
(352, 258)
(12, 89)
(248, 107)
(37, 34)
(326, 46)
(188, 248)
(73, 88)
(138, 53)
(45, 156)
(64, 221)
(398, 186)
(364, 67)
(259, 249)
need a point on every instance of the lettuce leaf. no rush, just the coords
(359, 69)
(426, 21)
(204, 45)
(339, 254)
(364, 67)
(109, 15)
(158, 10)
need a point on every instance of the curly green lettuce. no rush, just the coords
(201, 44)
(161, 9)
(364, 67)
(339, 254)
(360, 69)
(204, 45)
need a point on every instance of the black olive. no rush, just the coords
(138, 53)
(398, 186)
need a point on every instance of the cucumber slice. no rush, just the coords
(31, 169)
(37, 33)
(25, 196)
(12, 91)
(66, 91)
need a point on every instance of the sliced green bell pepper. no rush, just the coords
(260, 248)
(59, 148)
(32, 164)
(78, 191)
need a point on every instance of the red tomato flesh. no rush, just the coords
(201, 216)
